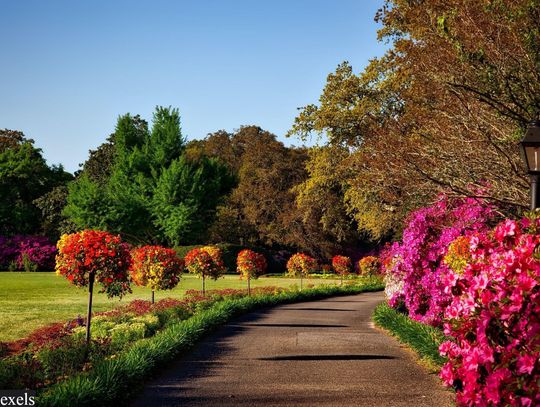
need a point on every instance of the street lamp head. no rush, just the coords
(530, 148)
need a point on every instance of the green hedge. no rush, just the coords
(423, 339)
(110, 381)
(230, 252)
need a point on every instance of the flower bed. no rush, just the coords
(29, 253)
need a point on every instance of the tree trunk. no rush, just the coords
(249, 286)
(153, 299)
(203, 288)
(89, 314)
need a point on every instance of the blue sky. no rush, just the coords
(69, 68)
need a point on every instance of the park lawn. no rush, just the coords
(31, 300)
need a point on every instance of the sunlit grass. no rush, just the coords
(31, 300)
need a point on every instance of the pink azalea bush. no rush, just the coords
(494, 317)
(482, 286)
(414, 268)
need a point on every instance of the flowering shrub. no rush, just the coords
(250, 264)
(300, 265)
(494, 316)
(95, 252)
(369, 266)
(414, 267)
(205, 262)
(342, 265)
(17, 250)
(156, 267)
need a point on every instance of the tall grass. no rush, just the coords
(423, 339)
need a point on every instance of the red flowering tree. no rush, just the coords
(205, 262)
(93, 255)
(300, 265)
(156, 267)
(342, 265)
(250, 265)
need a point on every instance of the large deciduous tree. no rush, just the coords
(24, 177)
(443, 109)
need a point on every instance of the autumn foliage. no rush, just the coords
(156, 267)
(250, 264)
(95, 252)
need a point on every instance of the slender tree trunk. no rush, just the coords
(153, 299)
(203, 288)
(249, 286)
(341, 279)
(301, 281)
(89, 314)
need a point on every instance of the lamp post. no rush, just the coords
(530, 150)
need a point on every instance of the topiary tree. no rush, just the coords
(156, 267)
(300, 265)
(250, 265)
(342, 265)
(205, 262)
(369, 266)
(93, 255)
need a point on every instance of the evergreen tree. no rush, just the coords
(152, 193)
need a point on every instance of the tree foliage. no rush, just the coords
(147, 190)
(264, 208)
(24, 177)
(444, 108)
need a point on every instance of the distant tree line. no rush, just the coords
(152, 186)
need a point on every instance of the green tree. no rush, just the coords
(186, 196)
(150, 192)
(24, 177)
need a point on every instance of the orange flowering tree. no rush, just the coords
(156, 267)
(205, 262)
(342, 265)
(300, 265)
(250, 265)
(93, 255)
(369, 266)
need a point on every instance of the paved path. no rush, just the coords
(322, 353)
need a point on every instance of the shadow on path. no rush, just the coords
(298, 325)
(330, 357)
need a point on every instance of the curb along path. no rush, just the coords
(319, 353)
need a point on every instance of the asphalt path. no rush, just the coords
(319, 353)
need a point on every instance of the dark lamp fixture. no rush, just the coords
(530, 151)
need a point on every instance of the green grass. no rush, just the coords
(31, 300)
(112, 381)
(423, 339)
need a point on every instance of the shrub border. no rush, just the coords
(112, 381)
(423, 339)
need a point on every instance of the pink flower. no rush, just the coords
(506, 229)
(525, 363)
